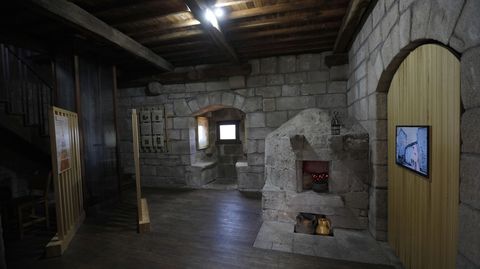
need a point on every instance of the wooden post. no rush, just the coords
(117, 138)
(142, 206)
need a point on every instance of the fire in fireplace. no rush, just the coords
(315, 175)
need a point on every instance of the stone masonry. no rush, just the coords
(275, 91)
(308, 136)
(392, 30)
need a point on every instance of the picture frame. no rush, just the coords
(412, 148)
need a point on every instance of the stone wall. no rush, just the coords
(275, 91)
(308, 137)
(392, 30)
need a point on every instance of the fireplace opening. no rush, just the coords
(315, 176)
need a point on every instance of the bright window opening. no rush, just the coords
(202, 132)
(228, 132)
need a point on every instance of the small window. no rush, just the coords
(227, 131)
(202, 133)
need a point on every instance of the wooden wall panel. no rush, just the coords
(423, 213)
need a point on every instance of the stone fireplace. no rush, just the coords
(304, 146)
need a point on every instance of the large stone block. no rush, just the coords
(250, 181)
(256, 119)
(404, 25)
(236, 82)
(469, 237)
(275, 79)
(470, 73)
(313, 88)
(389, 20)
(269, 104)
(309, 62)
(379, 152)
(377, 13)
(287, 64)
(228, 99)
(337, 87)
(238, 102)
(420, 13)
(331, 100)
(467, 33)
(181, 108)
(442, 20)
(269, 92)
(268, 65)
(195, 87)
(292, 103)
(256, 159)
(469, 180)
(256, 81)
(391, 46)
(252, 104)
(181, 122)
(275, 119)
(379, 176)
(470, 131)
(258, 133)
(321, 76)
(339, 72)
(291, 90)
(295, 78)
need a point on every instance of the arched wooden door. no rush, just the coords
(423, 212)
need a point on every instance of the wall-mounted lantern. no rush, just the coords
(336, 125)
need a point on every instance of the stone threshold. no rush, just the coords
(346, 244)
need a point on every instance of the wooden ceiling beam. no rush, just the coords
(198, 8)
(351, 21)
(289, 51)
(316, 16)
(152, 41)
(145, 17)
(161, 28)
(178, 46)
(80, 19)
(311, 44)
(297, 38)
(196, 75)
(287, 7)
(327, 27)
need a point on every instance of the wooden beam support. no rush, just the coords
(308, 16)
(196, 75)
(287, 7)
(80, 19)
(351, 21)
(325, 27)
(198, 8)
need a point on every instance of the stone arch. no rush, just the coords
(392, 31)
(216, 100)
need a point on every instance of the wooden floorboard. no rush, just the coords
(189, 229)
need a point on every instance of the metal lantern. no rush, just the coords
(336, 125)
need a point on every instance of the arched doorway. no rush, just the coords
(423, 211)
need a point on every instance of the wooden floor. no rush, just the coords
(190, 229)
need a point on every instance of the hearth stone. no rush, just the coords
(307, 137)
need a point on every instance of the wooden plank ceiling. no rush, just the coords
(253, 28)
(176, 30)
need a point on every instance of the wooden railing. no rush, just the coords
(23, 91)
(67, 178)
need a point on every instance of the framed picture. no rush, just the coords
(412, 148)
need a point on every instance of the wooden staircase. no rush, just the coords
(25, 97)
